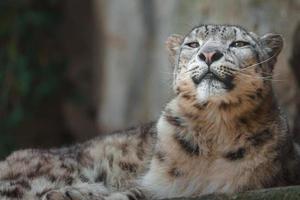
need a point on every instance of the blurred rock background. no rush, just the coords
(72, 69)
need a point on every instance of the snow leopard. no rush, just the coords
(222, 132)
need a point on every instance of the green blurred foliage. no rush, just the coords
(32, 67)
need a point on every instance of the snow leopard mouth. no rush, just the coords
(211, 77)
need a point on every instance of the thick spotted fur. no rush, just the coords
(223, 132)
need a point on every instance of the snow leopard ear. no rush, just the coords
(173, 46)
(273, 44)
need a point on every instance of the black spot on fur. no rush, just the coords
(69, 180)
(90, 194)
(205, 104)
(41, 194)
(131, 167)
(38, 167)
(23, 183)
(239, 100)
(67, 193)
(251, 96)
(223, 31)
(131, 197)
(259, 92)
(110, 160)
(124, 149)
(101, 177)
(145, 130)
(224, 106)
(161, 156)
(140, 151)
(228, 81)
(52, 178)
(186, 96)
(12, 193)
(149, 129)
(175, 121)
(68, 168)
(137, 193)
(200, 106)
(261, 138)
(83, 178)
(84, 158)
(243, 120)
(174, 172)
(235, 155)
(230, 61)
(11, 175)
(190, 148)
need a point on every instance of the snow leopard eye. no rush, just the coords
(239, 44)
(193, 44)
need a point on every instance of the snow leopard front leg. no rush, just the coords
(95, 191)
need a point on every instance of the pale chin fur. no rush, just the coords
(209, 88)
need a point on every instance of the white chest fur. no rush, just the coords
(195, 175)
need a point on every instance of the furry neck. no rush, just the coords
(218, 123)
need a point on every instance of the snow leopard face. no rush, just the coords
(219, 62)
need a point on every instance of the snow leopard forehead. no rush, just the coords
(220, 31)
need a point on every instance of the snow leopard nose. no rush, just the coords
(210, 57)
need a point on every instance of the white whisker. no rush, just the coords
(264, 61)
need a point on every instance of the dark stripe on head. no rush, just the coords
(206, 29)
(223, 30)
(230, 61)
(234, 31)
(188, 146)
(256, 53)
(260, 138)
(236, 154)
